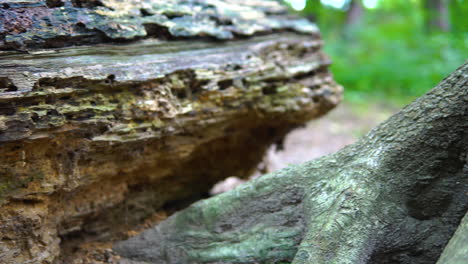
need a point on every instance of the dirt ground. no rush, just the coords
(341, 127)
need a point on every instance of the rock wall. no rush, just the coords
(169, 99)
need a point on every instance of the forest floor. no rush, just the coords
(328, 134)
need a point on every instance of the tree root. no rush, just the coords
(395, 196)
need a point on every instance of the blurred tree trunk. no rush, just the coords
(437, 15)
(354, 13)
(353, 18)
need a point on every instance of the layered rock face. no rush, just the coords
(169, 99)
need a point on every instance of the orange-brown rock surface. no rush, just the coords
(95, 138)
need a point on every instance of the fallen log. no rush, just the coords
(169, 99)
(395, 196)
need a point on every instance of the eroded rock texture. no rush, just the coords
(95, 138)
(56, 23)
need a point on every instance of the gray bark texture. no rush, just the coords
(395, 196)
(456, 251)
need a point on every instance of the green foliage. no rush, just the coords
(400, 69)
(459, 15)
(389, 54)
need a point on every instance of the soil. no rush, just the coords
(341, 127)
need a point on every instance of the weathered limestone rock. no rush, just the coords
(57, 23)
(96, 138)
(395, 196)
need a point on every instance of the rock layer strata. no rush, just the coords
(174, 98)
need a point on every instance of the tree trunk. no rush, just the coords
(354, 13)
(456, 251)
(437, 15)
(395, 196)
(95, 139)
(353, 19)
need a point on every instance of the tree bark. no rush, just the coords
(456, 251)
(354, 13)
(395, 196)
(437, 15)
(353, 19)
(95, 139)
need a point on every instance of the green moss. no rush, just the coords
(4, 187)
(9, 185)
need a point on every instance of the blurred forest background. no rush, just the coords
(386, 53)
(390, 50)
